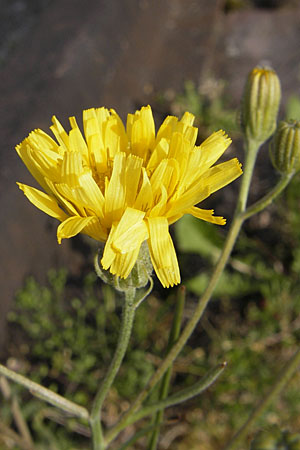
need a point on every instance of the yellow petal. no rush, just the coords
(115, 193)
(42, 141)
(187, 119)
(159, 176)
(142, 134)
(161, 202)
(176, 146)
(144, 199)
(109, 253)
(98, 154)
(162, 252)
(93, 134)
(95, 230)
(219, 176)
(206, 215)
(166, 129)
(102, 115)
(159, 153)
(76, 140)
(213, 148)
(193, 196)
(90, 195)
(111, 138)
(130, 232)
(124, 242)
(64, 198)
(213, 179)
(71, 168)
(60, 133)
(43, 201)
(190, 135)
(25, 153)
(123, 263)
(132, 178)
(120, 130)
(90, 123)
(72, 226)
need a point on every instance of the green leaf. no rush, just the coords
(195, 236)
(230, 284)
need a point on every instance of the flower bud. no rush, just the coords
(138, 277)
(260, 104)
(285, 147)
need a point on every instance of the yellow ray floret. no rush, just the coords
(126, 186)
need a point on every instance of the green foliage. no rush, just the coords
(68, 341)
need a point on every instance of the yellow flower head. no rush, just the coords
(124, 186)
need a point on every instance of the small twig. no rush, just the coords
(59, 418)
(45, 394)
(17, 413)
(6, 432)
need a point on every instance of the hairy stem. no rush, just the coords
(125, 332)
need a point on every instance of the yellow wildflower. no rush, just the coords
(123, 187)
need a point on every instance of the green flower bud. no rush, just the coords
(260, 104)
(138, 277)
(285, 147)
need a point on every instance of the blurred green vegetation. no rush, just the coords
(64, 334)
(209, 104)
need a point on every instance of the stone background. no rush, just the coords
(61, 56)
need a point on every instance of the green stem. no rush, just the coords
(251, 151)
(125, 332)
(165, 382)
(45, 394)
(277, 387)
(268, 198)
(137, 436)
(181, 396)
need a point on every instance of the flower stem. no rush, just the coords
(251, 150)
(282, 379)
(45, 394)
(125, 332)
(268, 198)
